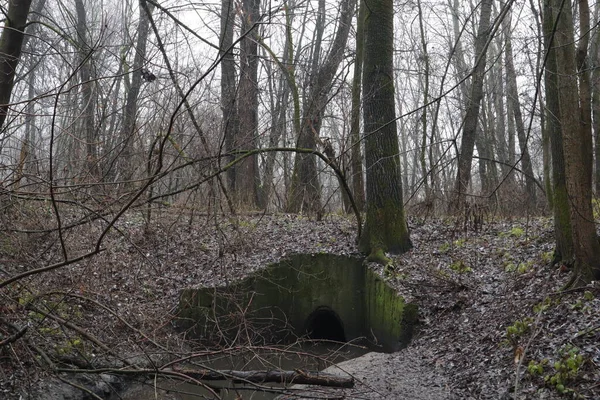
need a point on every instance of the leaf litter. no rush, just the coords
(471, 287)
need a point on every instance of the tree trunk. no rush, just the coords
(427, 176)
(577, 143)
(465, 158)
(595, 86)
(305, 193)
(246, 178)
(358, 183)
(228, 84)
(10, 51)
(127, 134)
(513, 98)
(564, 250)
(88, 97)
(385, 226)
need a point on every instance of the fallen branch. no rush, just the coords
(288, 377)
(197, 375)
(13, 338)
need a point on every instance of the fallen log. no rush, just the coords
(288, 377)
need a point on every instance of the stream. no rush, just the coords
(308, 356)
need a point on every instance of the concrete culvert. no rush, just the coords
(324, 324)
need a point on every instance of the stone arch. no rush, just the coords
(325, 324)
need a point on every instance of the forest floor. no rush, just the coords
(493, 320)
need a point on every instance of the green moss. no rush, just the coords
(283, 295)
(379, 257)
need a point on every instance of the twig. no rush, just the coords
(84, 389)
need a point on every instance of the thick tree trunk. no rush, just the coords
(595, 86)
(577, 142)
(228, 84)
(10, 51)
(465, 158)
(562, 220)
(385, 226)
(246, 178)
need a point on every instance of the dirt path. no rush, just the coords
(400, 376)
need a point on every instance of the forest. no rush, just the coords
(152, 147)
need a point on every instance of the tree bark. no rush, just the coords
(577, 142)
(228, 83)
(465, 158)
(128, 132)
(88, 97)
(297, 377)
(11, 42)
(513, 98)
(564, 250)
(356, 164)
(246, 178)
(305, 193)
(385, 226)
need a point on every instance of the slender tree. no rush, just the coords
(385, 226)
(465, 158)
(131, 103)
(515, 107)
(88, 94)
(356, 164)
(305, 193)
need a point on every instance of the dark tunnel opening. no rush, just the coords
(325, 324)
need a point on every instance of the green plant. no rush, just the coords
(514, 232)
(460, 242)
(460, 267)
(517, 232)
(566, 369)
(547, 257)
(536, 368)
(69, 346)
(543, 306)
(596, 208)
(445, 247)
(517, 330)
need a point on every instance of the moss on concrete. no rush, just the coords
(279, 299)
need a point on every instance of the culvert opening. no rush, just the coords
(324, 324)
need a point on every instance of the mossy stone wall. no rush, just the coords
(278, 300)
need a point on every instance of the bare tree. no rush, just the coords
(465, 158)
(126, 167)
(305, 188)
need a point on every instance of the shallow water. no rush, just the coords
(308, 356)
